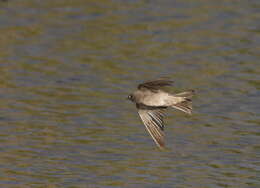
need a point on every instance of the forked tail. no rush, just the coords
(186, 103)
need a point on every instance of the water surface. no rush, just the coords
(66, 68)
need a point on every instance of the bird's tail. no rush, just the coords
(185, 103)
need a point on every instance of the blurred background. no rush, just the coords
(67, 66)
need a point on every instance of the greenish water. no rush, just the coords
(66, 68)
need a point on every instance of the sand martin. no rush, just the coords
(151, 102)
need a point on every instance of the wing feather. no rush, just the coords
(153, 121)
(155, 84)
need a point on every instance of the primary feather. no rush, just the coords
(153, 121)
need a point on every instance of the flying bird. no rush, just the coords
(152, 101)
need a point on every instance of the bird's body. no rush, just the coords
(158, 98)
(151, 102)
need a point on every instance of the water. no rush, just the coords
(67, 67)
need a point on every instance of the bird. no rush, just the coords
(152, 101)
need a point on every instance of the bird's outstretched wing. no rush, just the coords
(155, 84)
(153, 121)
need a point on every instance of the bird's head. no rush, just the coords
(130, 97)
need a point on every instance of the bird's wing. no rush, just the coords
(153, 121)
(155, 84)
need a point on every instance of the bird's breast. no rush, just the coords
(154, 99)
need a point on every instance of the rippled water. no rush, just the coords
(67, 66)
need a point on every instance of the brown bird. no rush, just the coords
(151, 102)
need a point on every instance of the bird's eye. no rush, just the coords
(130, 97)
